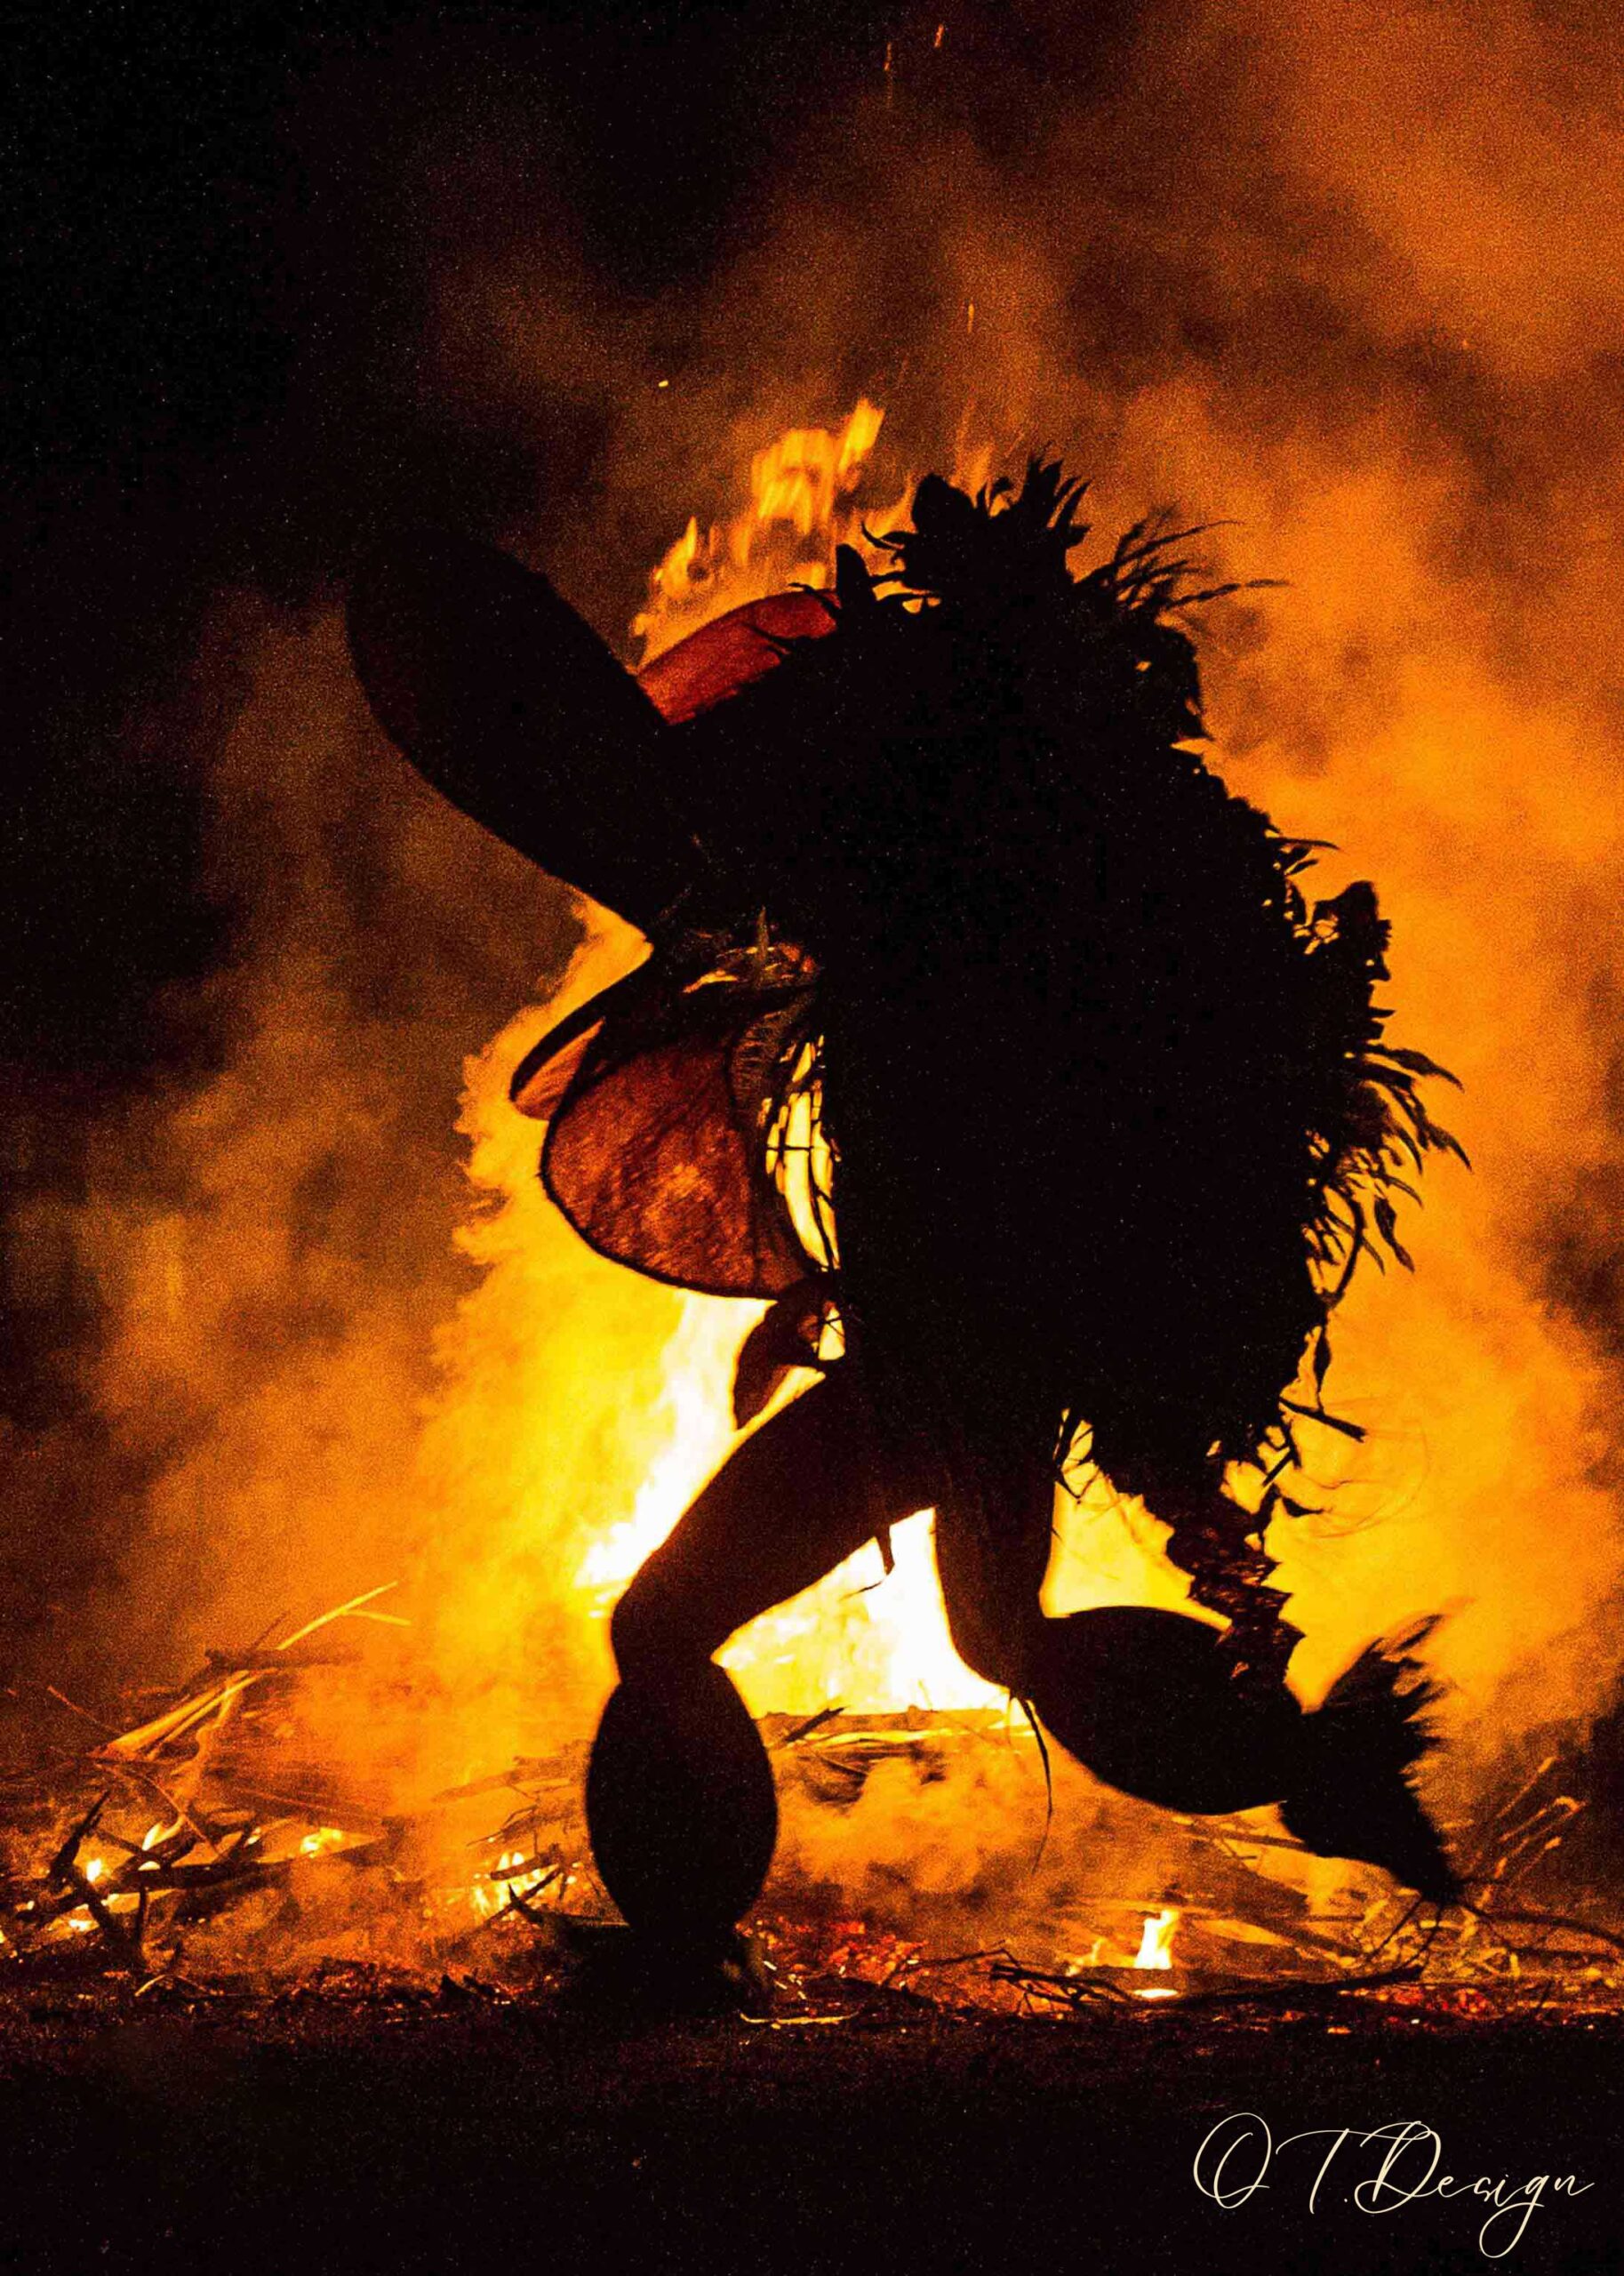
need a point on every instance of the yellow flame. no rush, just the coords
(1155, 1942)
(493, 1894)
(803, 503)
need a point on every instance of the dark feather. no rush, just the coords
(1353, 1796)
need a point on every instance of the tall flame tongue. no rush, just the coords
(804, 503)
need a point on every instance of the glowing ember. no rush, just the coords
(512, 1876)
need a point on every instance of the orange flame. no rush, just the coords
(803, 504)
(1155, 1942)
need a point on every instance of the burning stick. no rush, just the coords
(165, 1757)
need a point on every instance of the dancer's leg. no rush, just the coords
(994, 1521)
(796, 1499)
(679, 1790)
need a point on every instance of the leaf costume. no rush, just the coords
(983, 1019)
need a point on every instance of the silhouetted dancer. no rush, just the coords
(985, 1033)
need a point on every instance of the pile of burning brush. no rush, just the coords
(201, 1845)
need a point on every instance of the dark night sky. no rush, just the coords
(208, 373)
